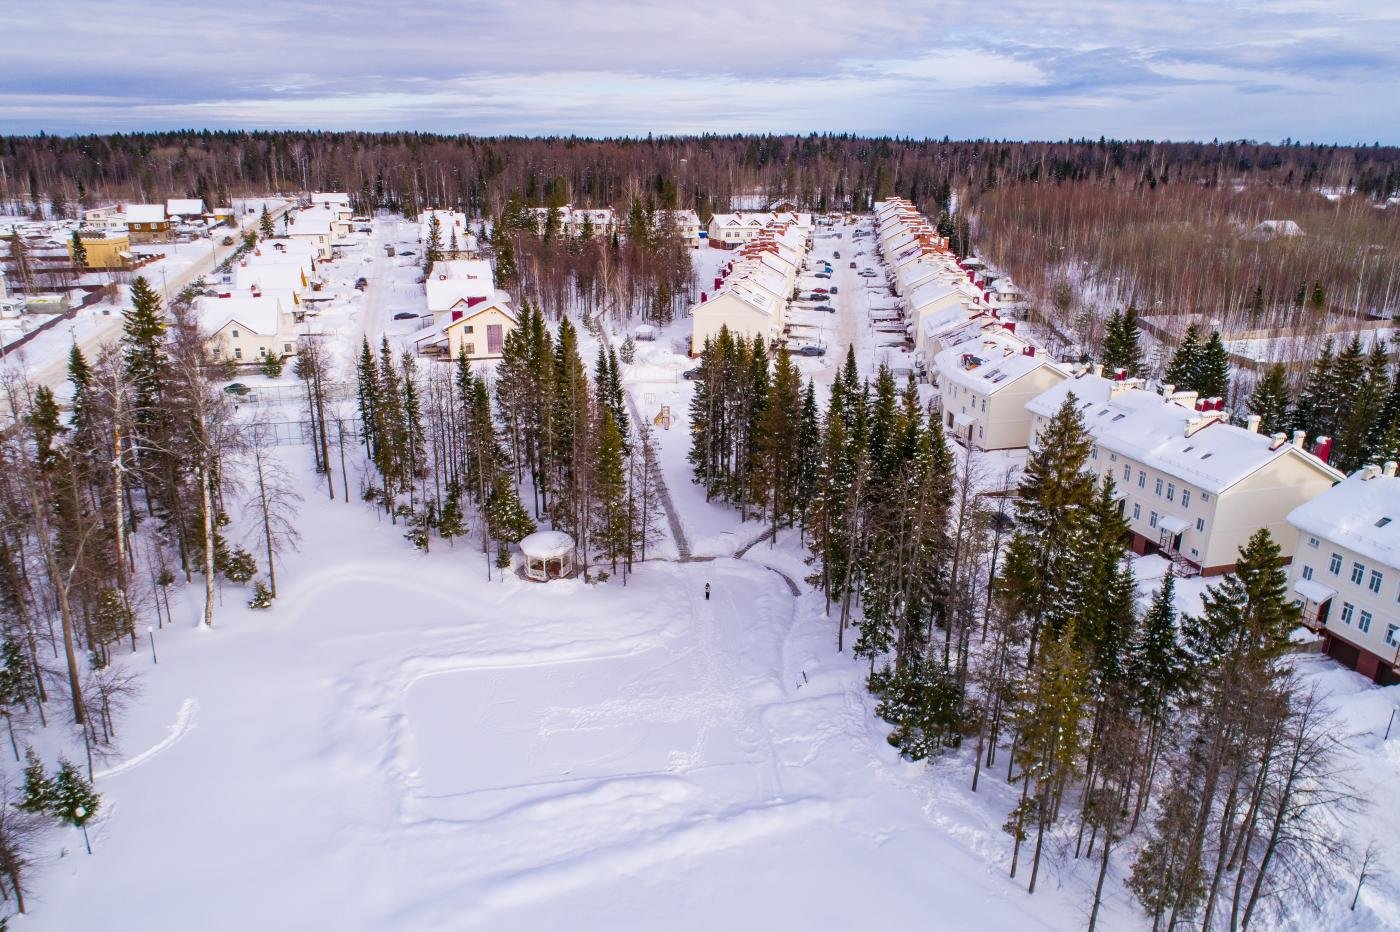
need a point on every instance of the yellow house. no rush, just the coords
(104, 252)
(480, 333)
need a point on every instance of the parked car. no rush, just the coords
(691, 373)
(361, 283)
(823, 275)
(237, 388)
(825, 307)
(405, 315)
(812, 351)
(817, 291)
(406, 252)
(835, 290)
(836, 254)
(868, 273)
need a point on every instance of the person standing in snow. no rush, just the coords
(707, 592)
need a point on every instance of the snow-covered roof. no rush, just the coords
(1313, 591)
(259, 315)
(454, 280)
(313, 221)
(990, 361)
(1153, 430)
(267, 276)
(184, 206)
(546, 545)
(1359, 513)
(145, 213)
(449, 222)
(330, 197)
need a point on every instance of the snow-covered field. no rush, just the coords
(401, 743)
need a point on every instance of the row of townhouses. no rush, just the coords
(1193, 485)
(751, 293)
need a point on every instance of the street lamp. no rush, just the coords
(80, 816)
(151, 633)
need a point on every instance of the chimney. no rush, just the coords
(1010, 325)
(1252, 423)
(1120, 375)
(1298, 437)
(1029, 351)
(1323, 448)
(1388, 470)
(1168, 389)
(1098, 370)
(1370, 472)
(704, 297)
(1277, 440)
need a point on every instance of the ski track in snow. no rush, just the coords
(184, 721)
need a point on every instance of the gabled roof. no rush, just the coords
(257, 315)
(184, 206)
(313, 221)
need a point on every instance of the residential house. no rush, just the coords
(147, 223)
(1194, 487)
(729, 230)
(752, 291)
(1346, 570)
(105, 250)
(246, 328)
(185, 209)
(986, 376)
(318, 226)
(469, 315)
(337, 202)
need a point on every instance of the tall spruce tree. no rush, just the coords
(1317, 404)
(1212, 376)
(1269, 400)
(1122, 348)
(1186, 361)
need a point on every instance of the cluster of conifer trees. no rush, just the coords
(454, 444)
(1181, 745)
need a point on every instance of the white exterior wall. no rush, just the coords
(1313, 558)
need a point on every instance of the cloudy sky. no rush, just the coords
(1323, 70)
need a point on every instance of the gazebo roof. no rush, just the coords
(546, 545)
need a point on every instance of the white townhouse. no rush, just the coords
(986, 377)
(246, 328)
(1194, 487)
(1346, 571)
(574, 221)
(729, 230)
(689, 227)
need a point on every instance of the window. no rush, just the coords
(1159, 487)
(1137, 512)
(1152, 521)
(1094, 453)
(235, 334)
(469, 329)
(1171, 491)
(1142, 479)
(1357, 571)
(237, 353)
(286, 347)
(1185, 498)
(1127, 473)
(1363, 623)
(1347, 611)
(1201, 525)
(1205, 496)
(1392, 635)
(469, 348)
(1375, 583)
(1113, 457)
(1312, 542)
(1307, 572)
(1336, 565)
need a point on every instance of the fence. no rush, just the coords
(282, 394)
(296, 433)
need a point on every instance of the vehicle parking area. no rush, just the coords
(844, 300)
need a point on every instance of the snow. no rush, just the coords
(546, 544)
(145, 213)
(1349, 512)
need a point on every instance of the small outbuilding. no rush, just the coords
(548, 555)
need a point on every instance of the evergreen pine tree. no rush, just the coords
(79, 251)
(610, 530)
(262, 596)
(1317, 403)
(1357, 442)
(1158, 662)
(240, 566)
(451, 522)
(432, 249)
(143, 336)
(1270, 400)
(506, 517)
(629, 350)
(266, 228)
(74, 802)
(1122, 348)
(1212, 378)
(1186, 361)
(39, 789)
(45, 424)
